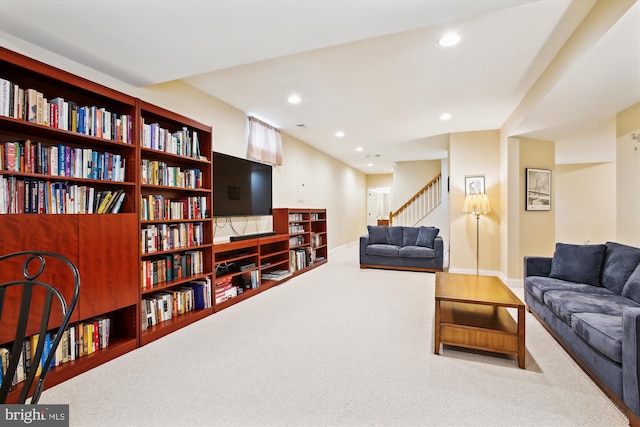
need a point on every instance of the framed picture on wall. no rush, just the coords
(538, 190)
(473, 185)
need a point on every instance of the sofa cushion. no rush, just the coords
(395, 235)
(538, 285)
(416, 252)
(409, 236)
(619, 262)
(578, 263)
(426, 236)
(631, 289)
(378, 235)
(601, 331)
(382, 250)
(564, 304)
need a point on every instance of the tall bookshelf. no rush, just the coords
(307, 231)
(176, 228)
(67, 145)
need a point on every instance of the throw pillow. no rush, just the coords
(409, 236)
(395, 235)
(378, 235)
(578, 263)
(426, 236)
(619, 262)
(632, 287)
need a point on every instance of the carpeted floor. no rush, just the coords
(334, 346)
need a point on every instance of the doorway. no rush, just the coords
(378, 202)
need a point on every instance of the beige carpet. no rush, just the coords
(335, 346)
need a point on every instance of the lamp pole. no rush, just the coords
(477, 214)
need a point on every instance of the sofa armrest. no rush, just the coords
(438, 248)
(537, 266)
(631, 358)
(364, 242)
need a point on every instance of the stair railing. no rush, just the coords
(419, 205)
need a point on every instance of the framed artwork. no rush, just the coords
(473, 185)
(538, 190)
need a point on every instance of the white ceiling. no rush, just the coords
(372, 69)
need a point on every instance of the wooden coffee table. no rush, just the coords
(471, 312)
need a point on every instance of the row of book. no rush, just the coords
(159, 173)
(301, 258)
(315, 216)
(165, 237)
(166, 305)
(276, 274)
(32, 106)
(296, 228)
(296, 240)
(171, 267)
(61, 160)
(35, 196)
(78, 340)
(225, 288)
(158, 207)
(182, 142)
(296, 217)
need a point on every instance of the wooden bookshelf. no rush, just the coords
(161, 217)
(30, 175)
(176, 228)
(307, 231)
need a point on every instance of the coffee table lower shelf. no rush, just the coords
(480, 327)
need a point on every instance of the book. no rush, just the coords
(5, 97)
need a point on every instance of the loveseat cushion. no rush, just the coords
(601, 331)
(378, 235)
(619, 262)
(538, 285)
(631, 289)
(409, 235)
(383, 250)
(416, 252)
(578, 263)
(395, 235)
(426, 236)
(565, 304)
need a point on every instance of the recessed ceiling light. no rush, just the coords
(369, 164)
(294, 99)
(359, 149)
(445, 116)
(449, 39)
(339, 134)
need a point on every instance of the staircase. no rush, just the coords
(419, 206)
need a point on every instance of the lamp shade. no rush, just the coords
(476, 204)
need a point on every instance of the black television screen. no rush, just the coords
(240, 187)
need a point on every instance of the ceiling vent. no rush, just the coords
(302, 126)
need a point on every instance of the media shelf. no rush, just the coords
(307, 231)
(274, 260)
(237, 275)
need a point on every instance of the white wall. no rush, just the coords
(329, 183)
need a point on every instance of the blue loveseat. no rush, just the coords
(588, 298)
(402, 248)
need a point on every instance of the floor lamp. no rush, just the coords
(477, 204)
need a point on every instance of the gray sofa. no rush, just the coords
(588, 297)
(402, 248)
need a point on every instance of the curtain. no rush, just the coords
(264, 142)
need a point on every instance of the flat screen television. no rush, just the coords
(241, 187)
